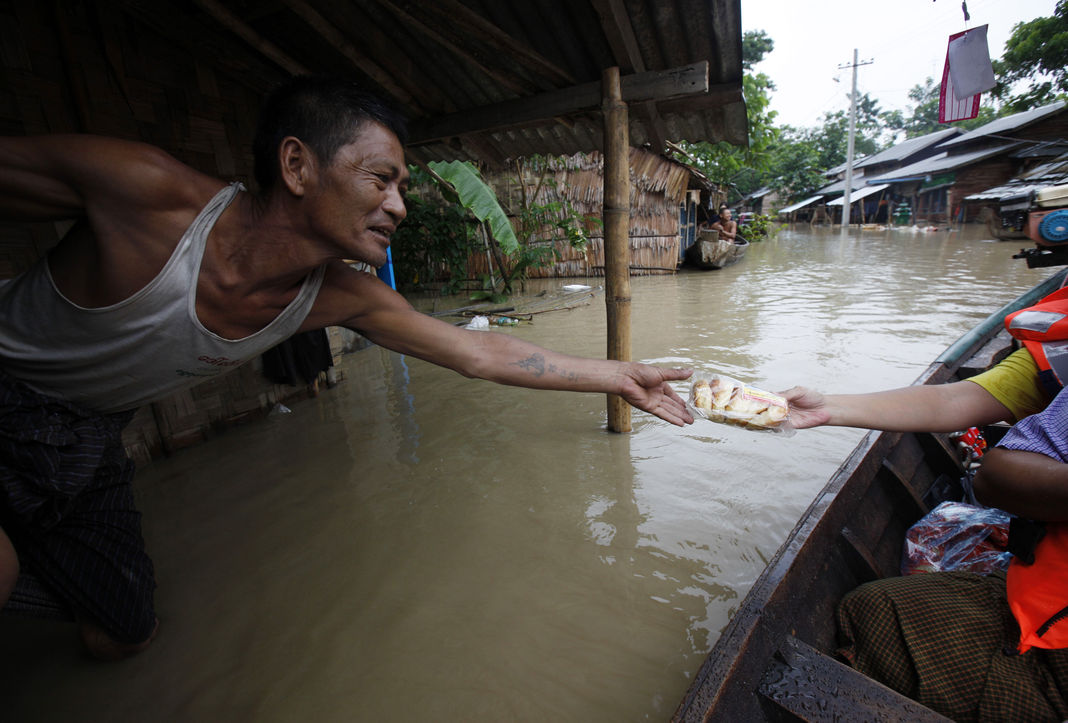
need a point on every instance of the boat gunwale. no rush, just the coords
(755, 632)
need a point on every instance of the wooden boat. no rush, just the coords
(709, 251)
(774, 660)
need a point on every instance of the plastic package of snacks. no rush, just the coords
(956, 536)
(722, 399)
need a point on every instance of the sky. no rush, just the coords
(905, 41)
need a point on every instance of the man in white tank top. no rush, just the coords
(170, 275)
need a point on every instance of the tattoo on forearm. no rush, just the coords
(535, 364)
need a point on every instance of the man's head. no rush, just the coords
(726, 214)
(325, 113)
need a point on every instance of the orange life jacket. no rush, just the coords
(1038, 593)
(1043, 330)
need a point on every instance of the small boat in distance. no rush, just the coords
(776, 657)
(709, 251)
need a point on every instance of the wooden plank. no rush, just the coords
(861, 556)
(903, 485)
(234, 24)
(811, 686)
(689, 80)
(615, 22)
(360, 60)
(479, 27)
(460, 49)
(990, 354)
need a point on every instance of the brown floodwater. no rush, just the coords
(413, 545)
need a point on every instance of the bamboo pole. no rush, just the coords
(616, 212)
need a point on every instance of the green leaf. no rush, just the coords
(480, 199)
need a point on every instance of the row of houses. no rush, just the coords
(948, 177)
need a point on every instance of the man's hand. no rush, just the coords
(646, 387)
(807, 407)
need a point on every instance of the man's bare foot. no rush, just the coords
(103, 647)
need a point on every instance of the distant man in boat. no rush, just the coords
(726, 225)
(169, 276)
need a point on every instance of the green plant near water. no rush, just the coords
(442, 232)
(759, 228)
(440, 235)
(433, 242)
(542, 219)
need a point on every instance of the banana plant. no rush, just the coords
(476, 196)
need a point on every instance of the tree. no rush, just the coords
(755, 45)
(834, 134)
(924, 118)
(1035, 53)
(796, 167)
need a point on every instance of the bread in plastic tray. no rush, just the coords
(723, 399)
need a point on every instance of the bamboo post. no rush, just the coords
(616, 213)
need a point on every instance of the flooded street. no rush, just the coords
(414, 545)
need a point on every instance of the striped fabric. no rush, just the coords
(66, 502)
(1043, 433)
(947, 640)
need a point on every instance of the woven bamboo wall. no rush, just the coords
(658, 187)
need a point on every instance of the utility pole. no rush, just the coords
(847, 207)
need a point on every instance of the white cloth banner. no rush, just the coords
(967, 73)
(969, 63)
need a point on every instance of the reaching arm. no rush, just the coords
(1027, 484)
(64, 176)
(384, 317)
(133, 202)
(923, 408)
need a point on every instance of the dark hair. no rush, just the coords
(324, 112)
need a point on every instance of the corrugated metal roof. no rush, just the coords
(839, 186)
(904, 149)
(861, 194)
(1051, 173)
(802, 204)
(488, 80)
(1008, 124)
(939, 164)
(1045, 149)
(759, 193)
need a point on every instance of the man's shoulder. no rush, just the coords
(350, 290)
(165, 178)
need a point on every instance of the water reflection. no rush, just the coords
(413, 544)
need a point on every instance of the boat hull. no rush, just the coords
(775, 659)
(711, 252)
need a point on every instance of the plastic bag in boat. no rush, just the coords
(957, 536)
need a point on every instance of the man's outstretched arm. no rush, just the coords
(384, 317)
